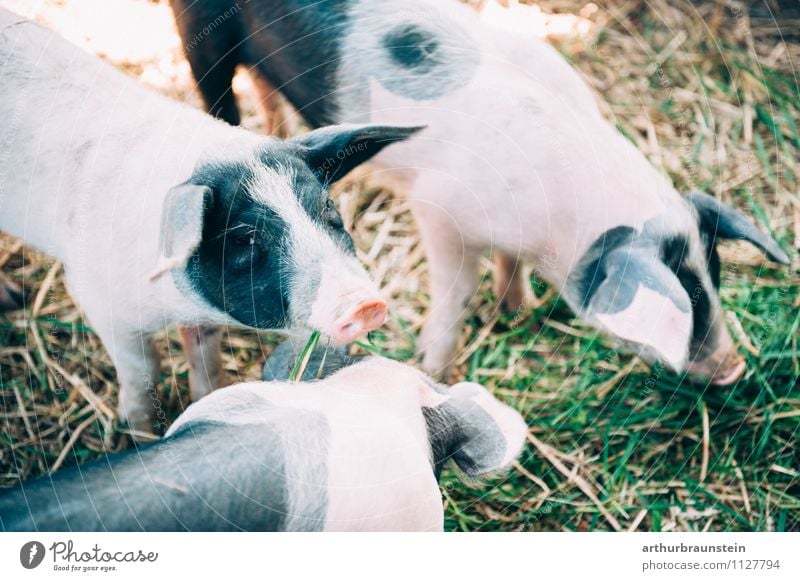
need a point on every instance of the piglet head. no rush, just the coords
(256, 235)
(464, 423)
(657, 290)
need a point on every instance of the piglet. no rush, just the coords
(358, 451)
(163, 215)
(516, 159)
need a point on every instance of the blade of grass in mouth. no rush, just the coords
(302, 361)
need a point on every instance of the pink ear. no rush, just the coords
(654, 321)
(181, 226)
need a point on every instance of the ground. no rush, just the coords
(709, 91)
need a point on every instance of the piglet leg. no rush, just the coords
(453, 276)
(137, 362)
(202, 346)
(279, 119)
(511, 282)
(11, 297)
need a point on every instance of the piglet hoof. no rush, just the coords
(515, 302)
(11, 296)
(138, 425)
(511, 285)
(439, 350)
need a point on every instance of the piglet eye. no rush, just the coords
(332, 215)
(245, 238)
(245, 241)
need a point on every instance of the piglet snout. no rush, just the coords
(730, 375)
(363, 318)
(724, 367)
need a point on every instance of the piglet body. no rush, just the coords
(358, 451)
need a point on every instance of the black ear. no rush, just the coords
(721, 221)
(333, 151)
(637, 298)
(481, 434)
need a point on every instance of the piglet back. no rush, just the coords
(208, 476)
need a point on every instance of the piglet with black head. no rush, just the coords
(255, 234)
(240, 227)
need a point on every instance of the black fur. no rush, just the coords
(593, 270)
(720, 221)
(712, 258)
(459, 429)
(206, 477)
(441, 438)
(673, 254)
(242, 265)
(324, 362)
(412, 47)
(590, 273)
(332, 154)
(211, 31)
(274, 37)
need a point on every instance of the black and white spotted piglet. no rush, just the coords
(360, 450)
(161, 214)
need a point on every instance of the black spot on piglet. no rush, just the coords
(412, 47)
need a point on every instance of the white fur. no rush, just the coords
(88, 159)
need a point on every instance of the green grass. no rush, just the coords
(637, 436)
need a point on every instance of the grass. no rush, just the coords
(302, 361)
(711, 97)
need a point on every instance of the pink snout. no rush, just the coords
(722, 368)
(732, 376)
(362, 319)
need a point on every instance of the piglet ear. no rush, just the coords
(333, 151)
(181, 226)
(635, 297)
(484, 434)
(719, 220)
